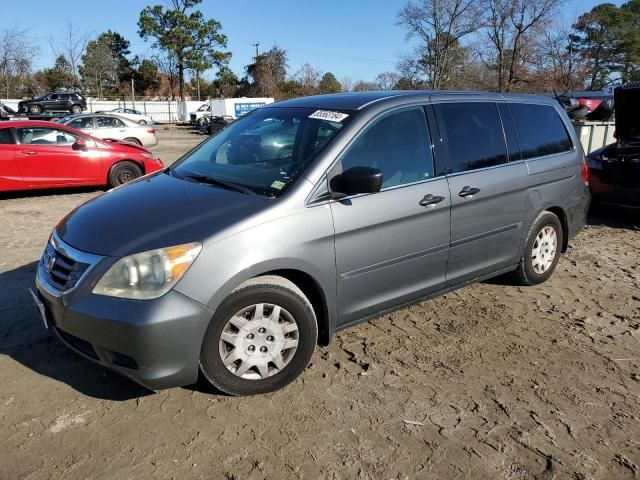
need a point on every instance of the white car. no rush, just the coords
(131, 114)
(112, 127)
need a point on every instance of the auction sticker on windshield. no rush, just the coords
(329, 115)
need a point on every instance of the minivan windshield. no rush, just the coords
(265, 151)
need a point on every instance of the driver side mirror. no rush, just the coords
(356, 180)
(80, 144)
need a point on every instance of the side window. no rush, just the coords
(473, 135)
(45, 136)
(64, 96)
(397, 144)
(53, 96)
(82, 123)
(108, 122)
(540, 130)
(6, 138)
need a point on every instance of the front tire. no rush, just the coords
(542, 250)
(123, 172)
(260, 338)
(77, 109)
(133, 140)
(35, 109)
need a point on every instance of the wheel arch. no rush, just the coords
(313, 291)
(562, 216)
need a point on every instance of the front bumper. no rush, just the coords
(154, 342)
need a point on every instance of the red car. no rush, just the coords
(38, 154)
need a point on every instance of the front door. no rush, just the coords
(488, 192)
(391, 246)
(46, 157)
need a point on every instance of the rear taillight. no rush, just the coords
(151, 131)
(584, 173)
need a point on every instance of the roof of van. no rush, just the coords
(360, 100)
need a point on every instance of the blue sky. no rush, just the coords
(354, 38)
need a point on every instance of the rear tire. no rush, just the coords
(133, 140)
(142, 122)
(269, 327)
(541, 251)
(123, 172)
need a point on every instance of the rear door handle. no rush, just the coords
(430, 200)
(27, 152)
(468, 192)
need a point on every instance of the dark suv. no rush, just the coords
(54, 102)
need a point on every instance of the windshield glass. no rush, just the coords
(265, 151)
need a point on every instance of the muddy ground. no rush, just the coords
(492, 381)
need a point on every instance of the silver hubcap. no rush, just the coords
(259, 341)
(544, 250)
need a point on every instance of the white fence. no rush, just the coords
(163, 111)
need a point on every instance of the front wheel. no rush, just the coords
(542, 250)
(260, 339)
(35, 109)
(77, 109)
(123, 172)
(133, 140)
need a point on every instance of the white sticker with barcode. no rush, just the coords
(329, 115)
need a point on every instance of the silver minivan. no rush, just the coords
(306, 217)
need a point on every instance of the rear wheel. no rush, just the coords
(260, 339)
(142, 122)
(542, 250)
(133, 140)
(123, 172)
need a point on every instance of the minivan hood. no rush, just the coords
(627, 104)
(156, 211)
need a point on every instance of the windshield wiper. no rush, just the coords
(213, 181)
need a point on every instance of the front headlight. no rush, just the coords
(148, 275)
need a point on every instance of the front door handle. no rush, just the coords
(468, 192)
(27, 152)
(430, 200)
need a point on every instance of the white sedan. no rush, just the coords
(112, 127)
(131, 114)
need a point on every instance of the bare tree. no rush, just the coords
(71, 44)
(16, 54)
(168, 68)
(347, 83)
(511, 26)
(560, 64)
(439, 25)
(309, 78)
(387, 80)
(363, 86)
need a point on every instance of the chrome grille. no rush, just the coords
(61, 271)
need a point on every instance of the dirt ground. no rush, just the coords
(492, 381)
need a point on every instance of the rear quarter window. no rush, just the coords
(540, 129)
